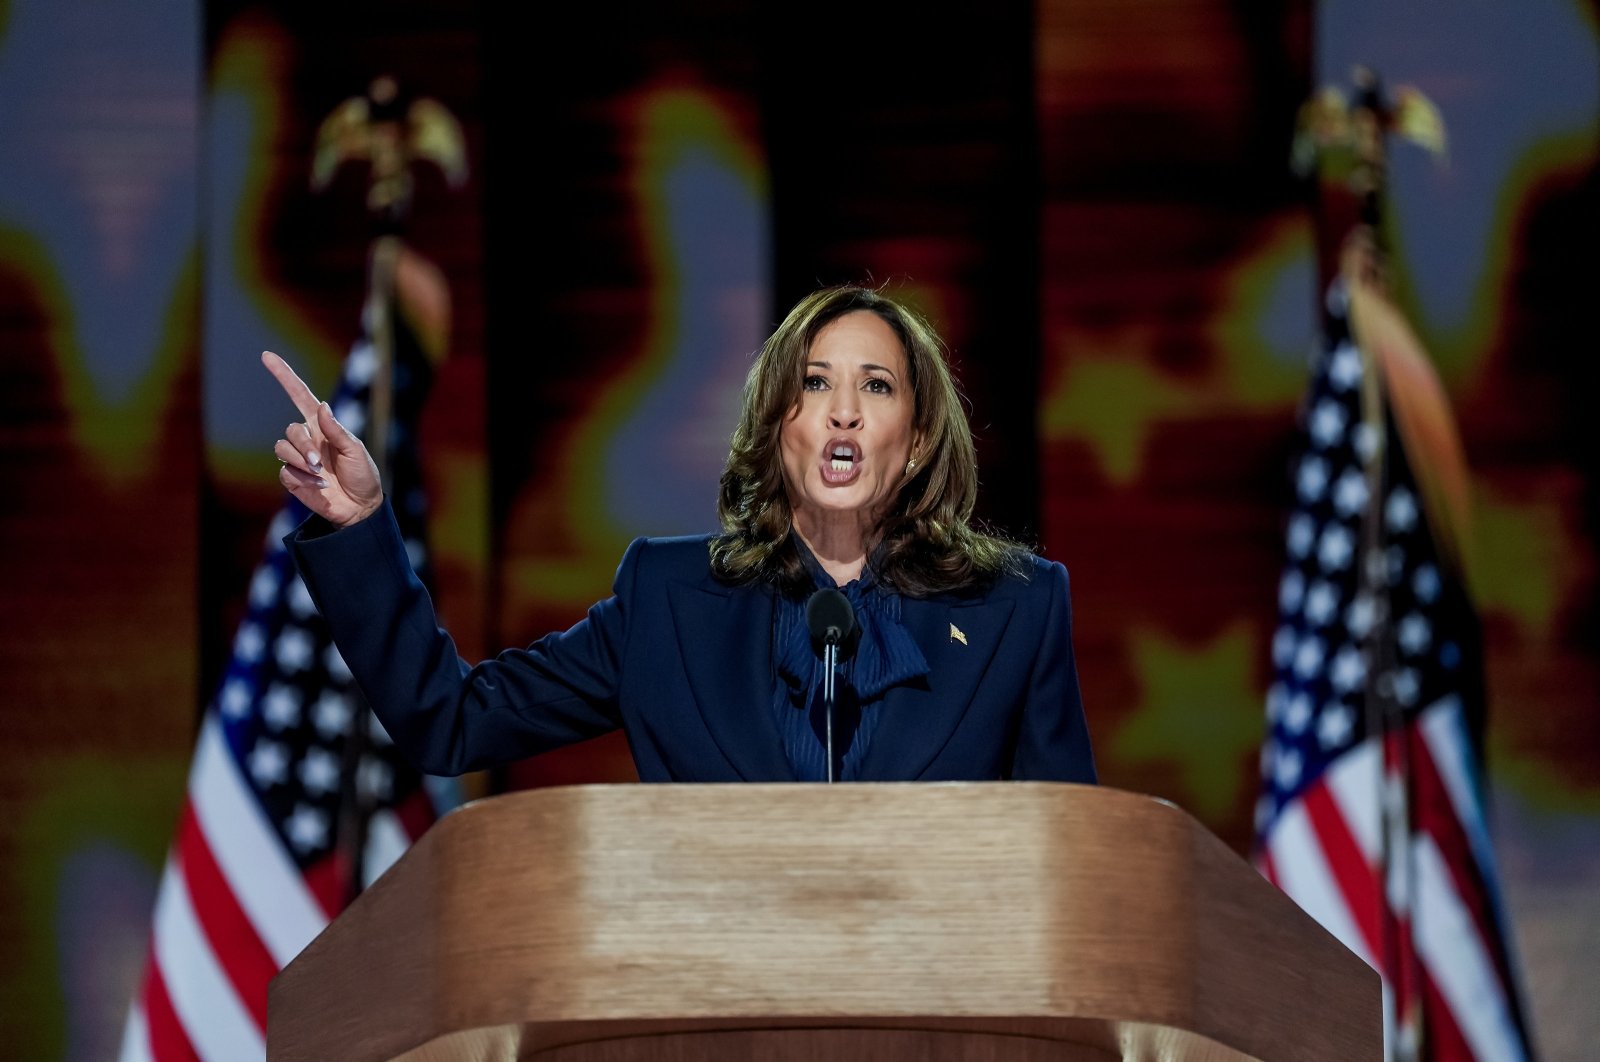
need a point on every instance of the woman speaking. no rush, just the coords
(851, 470)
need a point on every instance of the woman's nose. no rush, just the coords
(844, 414)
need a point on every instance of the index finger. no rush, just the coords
(293, 386)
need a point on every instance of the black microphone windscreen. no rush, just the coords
(830, 619)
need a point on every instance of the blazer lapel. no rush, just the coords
(725, 638)
(918, 720)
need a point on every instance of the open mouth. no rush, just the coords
(841, 460)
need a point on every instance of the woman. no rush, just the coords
(852, 466)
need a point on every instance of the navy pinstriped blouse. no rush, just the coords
(886, 656)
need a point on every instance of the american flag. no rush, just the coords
(295, 796)
(1371, 812)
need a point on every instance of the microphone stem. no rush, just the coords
(830, 660)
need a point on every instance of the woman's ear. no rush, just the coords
(914, 458)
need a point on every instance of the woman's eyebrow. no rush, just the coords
(866, 365)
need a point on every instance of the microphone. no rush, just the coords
(832, 623)
(831, 620)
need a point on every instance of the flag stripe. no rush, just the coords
(247, 848)
(328, 882)
(1388, 1015)
(167, 1040)
(1445, 1042)
(416, 813)
(1350, 869)
(1399, 889)
(1442, 727)
(386, 841)
(227, 929)
(1308, 880)
(136, 1035)
(217, 1023)
(1444, 758)
(1450, 947)
(1354, 780)
(1268, 869)
(1437, 819)
(1405, 969)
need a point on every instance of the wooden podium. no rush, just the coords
(786, 922)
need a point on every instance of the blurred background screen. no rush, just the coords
(608, 213)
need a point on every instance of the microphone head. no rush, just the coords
(832, 621)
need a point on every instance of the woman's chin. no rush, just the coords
(843, 504)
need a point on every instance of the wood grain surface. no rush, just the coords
(932, 921)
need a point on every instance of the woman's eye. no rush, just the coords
(879, 386)
(814, 383)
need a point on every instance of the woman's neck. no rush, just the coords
(838, 541)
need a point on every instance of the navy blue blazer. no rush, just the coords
(683, 664)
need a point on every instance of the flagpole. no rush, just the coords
(1385, 718)
(388, 205)
(384, 257)
(356, 804)
(1363, 265)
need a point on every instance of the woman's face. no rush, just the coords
(846, 442)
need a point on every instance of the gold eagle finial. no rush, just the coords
(389, 133)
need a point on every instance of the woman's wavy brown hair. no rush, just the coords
(927, 544)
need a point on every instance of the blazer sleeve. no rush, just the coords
(1053, 739)
(447, 716)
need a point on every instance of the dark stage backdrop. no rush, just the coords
(1092, 200)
